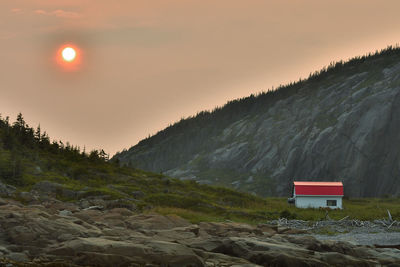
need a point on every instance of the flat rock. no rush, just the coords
(3, 202)
(119, 237)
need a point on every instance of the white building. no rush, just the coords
(317, 195)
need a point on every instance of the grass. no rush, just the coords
(188, 199)
(196, 202)
(273, 208)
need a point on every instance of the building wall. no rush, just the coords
(317, 201)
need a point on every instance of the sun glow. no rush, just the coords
(68, 54)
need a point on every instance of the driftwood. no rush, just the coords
(391, 224)
(340, 224)
(390, 216)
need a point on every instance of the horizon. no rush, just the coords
(126, 87)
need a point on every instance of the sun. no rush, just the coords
(68, 54)
(69, 57)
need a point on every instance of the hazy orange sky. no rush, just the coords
(146, 64)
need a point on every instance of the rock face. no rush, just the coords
(44, 234)
(341, 125)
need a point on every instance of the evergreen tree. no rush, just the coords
(38, 133)
(19, 124)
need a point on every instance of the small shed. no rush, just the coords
(317, 194)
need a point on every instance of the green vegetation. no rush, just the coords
(273, 208)
(361, 209)
(28, 157)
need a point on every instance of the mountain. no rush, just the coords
(340, 124)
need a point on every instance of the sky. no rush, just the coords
(144, 65)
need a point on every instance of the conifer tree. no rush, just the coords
(38, 133)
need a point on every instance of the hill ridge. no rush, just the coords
(227, 146)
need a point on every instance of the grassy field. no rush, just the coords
(273, 208)
(193, 201)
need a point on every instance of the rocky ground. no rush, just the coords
(55, 233)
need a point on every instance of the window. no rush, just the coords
(331, 203)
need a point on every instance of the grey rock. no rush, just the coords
(84, 204)
(119, 237)
(3, 202)
(51, 188)
(6, 190)
(47, 187)
(65, 213)
(18, 257)
(97, 202)
(4, 250)
(27, 196)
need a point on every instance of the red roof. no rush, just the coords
(319, 188)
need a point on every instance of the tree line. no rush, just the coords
(20, 145)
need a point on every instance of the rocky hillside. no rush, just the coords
(341, 124)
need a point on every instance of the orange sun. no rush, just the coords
(69, 57)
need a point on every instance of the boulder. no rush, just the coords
(20, 234)
(229, 229)
(2, 202)
(157, 252)
(268, 228)
(54, 189)
(6, 190)
(120, 203)
(64, 213)
(47, 187)
(172, 254)
(27, 197)
(18, 256)
(155, 222)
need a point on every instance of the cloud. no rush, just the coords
(59, 13)
(17, 11)
(66, 14)
(39, 11)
